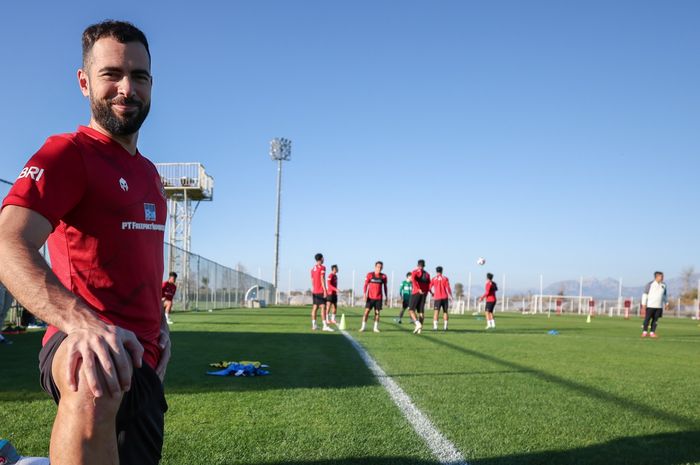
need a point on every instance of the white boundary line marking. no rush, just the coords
(441, 447)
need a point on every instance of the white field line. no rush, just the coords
(441, 447)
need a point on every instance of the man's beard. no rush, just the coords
(118, 125)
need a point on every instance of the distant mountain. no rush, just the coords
(608, 288)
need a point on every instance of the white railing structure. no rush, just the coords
(183, 183)
(186, 179)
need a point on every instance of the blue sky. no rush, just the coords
(552, 137)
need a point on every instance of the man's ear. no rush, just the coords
(83, 82)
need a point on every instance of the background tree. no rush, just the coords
(459, 291)
(687, 275)
(690, 291)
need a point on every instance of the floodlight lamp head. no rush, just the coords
(280, 149)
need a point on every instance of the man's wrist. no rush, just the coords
(82, 317)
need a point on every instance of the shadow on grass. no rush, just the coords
(357, 461)
(19, 368)
(458, 373)
(590, 391)
(657, 449)
(296, 360)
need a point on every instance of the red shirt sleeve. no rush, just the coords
(449, 289)
(414, 280)
(52, 182)
(488, 289)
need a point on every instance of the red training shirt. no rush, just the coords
(169, 290)
(421, 281)
(375, 285)
(490, 292)
(441, 287)
(108, 211)
(332, 284)
(318, 273)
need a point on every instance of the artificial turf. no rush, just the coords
(593, 394)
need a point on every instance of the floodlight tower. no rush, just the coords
(280, 150)
(183, 183)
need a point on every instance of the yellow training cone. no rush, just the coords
(341, 326)
(588, 319)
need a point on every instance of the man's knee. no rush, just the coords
(82, 401)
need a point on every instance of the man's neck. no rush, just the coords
(128, 141)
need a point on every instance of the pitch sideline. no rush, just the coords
(441, 447)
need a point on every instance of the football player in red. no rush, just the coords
(490, 296)
(375, 292)
(319, 293)
(440, 287)
(100, 206)
(332, 299)
(169, 288)
(421, 286)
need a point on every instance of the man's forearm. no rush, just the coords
(29, 279)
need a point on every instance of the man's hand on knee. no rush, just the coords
(106, 354)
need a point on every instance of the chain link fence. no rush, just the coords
(207, 285)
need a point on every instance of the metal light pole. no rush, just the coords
(280, 150)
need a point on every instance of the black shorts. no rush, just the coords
(375, 304)
(405, 302)
(332, 298)
(139, 422)
(490, 306)
(442, 304)
(417, 302)
(319, 299)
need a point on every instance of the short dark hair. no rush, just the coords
(334, 267)
(379, 263)
(123, 31)
(489, 276)
(438, 269)
(657, 273)
(318, 256)
(408, 274)
(173, 274)
(421, 262)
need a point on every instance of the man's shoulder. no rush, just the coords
(60, 144)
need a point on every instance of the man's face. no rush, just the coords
(659, 278)
(378, 268)
(117, 80)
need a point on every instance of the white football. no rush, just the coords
(481, 261)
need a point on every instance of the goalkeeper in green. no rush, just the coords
(405, 293)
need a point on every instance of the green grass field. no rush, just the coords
(594, 394)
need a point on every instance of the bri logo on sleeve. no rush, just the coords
(31, 172)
